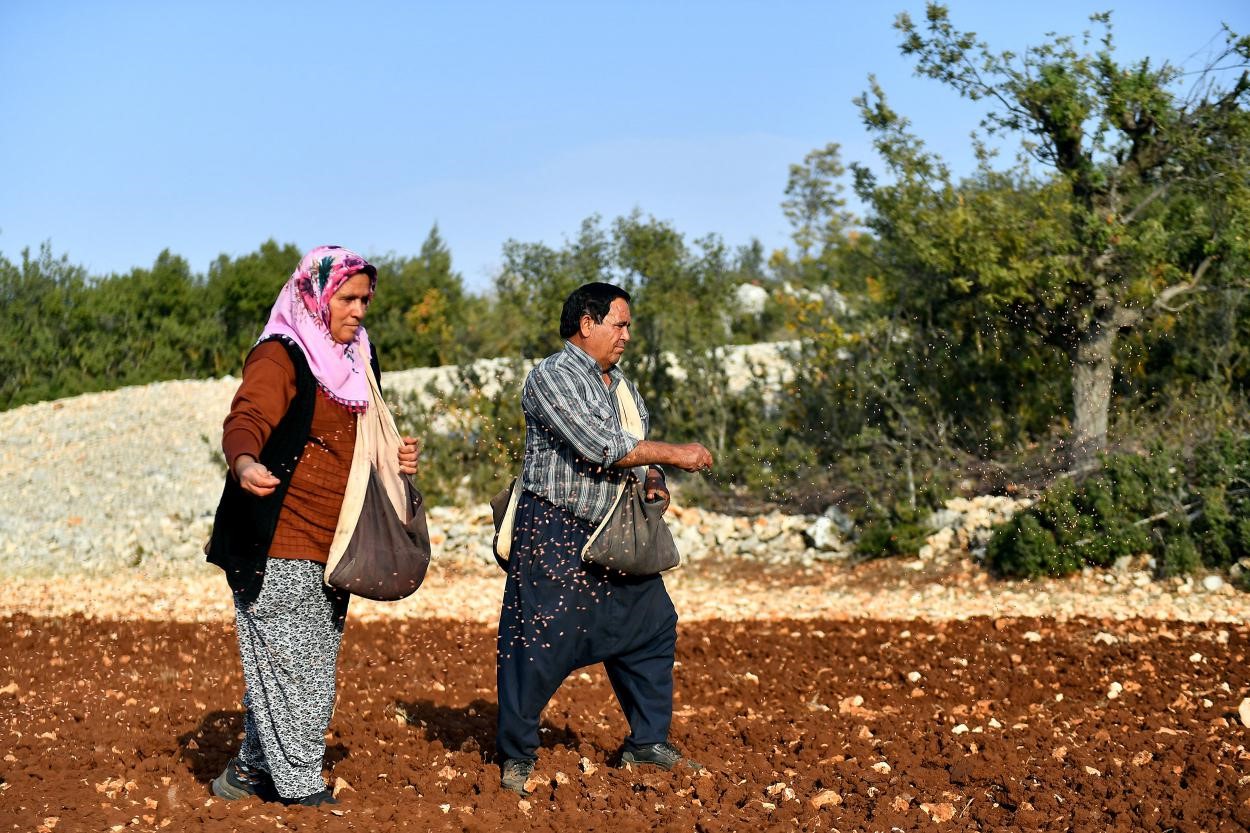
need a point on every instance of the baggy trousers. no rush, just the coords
(289, 640)
(560, 615)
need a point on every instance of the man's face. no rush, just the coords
(606, 340)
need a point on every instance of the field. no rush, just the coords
(836, 723)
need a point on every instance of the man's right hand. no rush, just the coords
(693, 457)
(254, 477)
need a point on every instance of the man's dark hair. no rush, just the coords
(593, 299)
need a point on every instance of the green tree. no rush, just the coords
(682, 303)
(40, 297)
(1141, 201)
(240, 293)
(529, 291)
(684, 311)
(421, 313)
(814, 203)
(145, 326)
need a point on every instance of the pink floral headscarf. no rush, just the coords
(302, 315)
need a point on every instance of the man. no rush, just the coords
(558, 613)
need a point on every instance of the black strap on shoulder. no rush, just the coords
(375, 364)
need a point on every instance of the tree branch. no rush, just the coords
(1159, 191)
(1162, 301)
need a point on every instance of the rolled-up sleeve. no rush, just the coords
(567, 408)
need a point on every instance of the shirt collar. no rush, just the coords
(583, 358)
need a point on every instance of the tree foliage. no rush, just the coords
(1128, 194)
(43, 299)
(240, 294)
(422, 314)
(74, 333)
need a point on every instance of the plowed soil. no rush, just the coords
(860, 725)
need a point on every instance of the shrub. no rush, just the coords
(1023, 549)
(901, 532)
(1186, 513)
(882, 539)
(473, 435)
(1177, 555)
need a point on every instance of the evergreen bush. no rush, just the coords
(892, 536)
(1186, 513)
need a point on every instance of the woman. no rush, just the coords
(288, 442)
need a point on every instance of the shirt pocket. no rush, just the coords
(606, 415)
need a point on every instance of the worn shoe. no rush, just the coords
(663, 755)
(314, 800)
(515, 772)
(240, 781)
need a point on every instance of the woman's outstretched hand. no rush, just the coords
(254, 477)
(408, 454)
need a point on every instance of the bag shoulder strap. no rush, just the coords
(503, 535)
(627, 410)
(631, 421)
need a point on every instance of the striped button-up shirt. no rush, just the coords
(573, 433)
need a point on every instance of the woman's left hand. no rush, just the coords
(408, 454)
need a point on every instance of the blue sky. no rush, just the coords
(205, 128)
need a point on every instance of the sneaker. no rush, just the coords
(663, 755)
(314, 800)
(241, 781)
(515, 772)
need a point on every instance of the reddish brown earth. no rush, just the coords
(803, 725)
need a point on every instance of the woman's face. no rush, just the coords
(348, 307)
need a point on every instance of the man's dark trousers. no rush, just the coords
(560, 615)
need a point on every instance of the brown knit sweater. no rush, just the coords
(310, 512)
